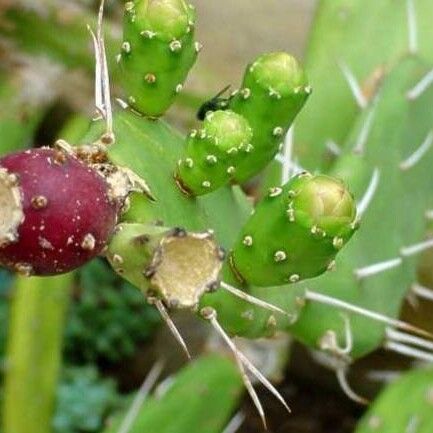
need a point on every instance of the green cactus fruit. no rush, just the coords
(295, 232)
(175, 266)
(389, 415)
(213, 153)
(273, 92)
(158, 50)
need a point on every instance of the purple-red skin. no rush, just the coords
(69, 216)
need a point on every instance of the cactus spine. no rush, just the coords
(157, 52)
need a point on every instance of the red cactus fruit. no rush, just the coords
(56, 213)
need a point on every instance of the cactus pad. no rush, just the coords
(157, 52)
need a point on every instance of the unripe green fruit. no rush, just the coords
(214, 152)
(158, 50)
(273, 92)
(295, 232)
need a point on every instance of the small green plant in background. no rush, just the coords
(187, 235)
(107, 319)
(84, 400)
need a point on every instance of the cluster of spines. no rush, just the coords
(157, 52)
(295, 232)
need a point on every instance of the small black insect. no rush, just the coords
(214, 104)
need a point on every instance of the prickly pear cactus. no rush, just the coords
(188, 238)
(158, 50)
(388, 415)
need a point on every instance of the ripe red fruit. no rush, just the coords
(56, 213)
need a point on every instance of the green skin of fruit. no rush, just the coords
(295, 232)
(131, 250)
(214, 152)
(157, 53)
(273, 92)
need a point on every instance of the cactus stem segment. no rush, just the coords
(133, 411)
(354, 86)
(420, 87)
(253, 300)
(338, 303)
(169, 322)
(417, 155)
(412, 27)
(12, 213)
(368, 196)
(211, 315)
(364, 133)
(377, 268)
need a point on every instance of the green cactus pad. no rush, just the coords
(158, 50)
(398, 127)
(273, 92)
(405, 406)
(295, 232)
(176, 266)
(340, 32)
(211, 386)
(214, 152)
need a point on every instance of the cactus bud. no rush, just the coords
(295, 232)
(273, 92)
(176, 266)
(213, 153)
(325, 203)
(157, 52)
(57, 213)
